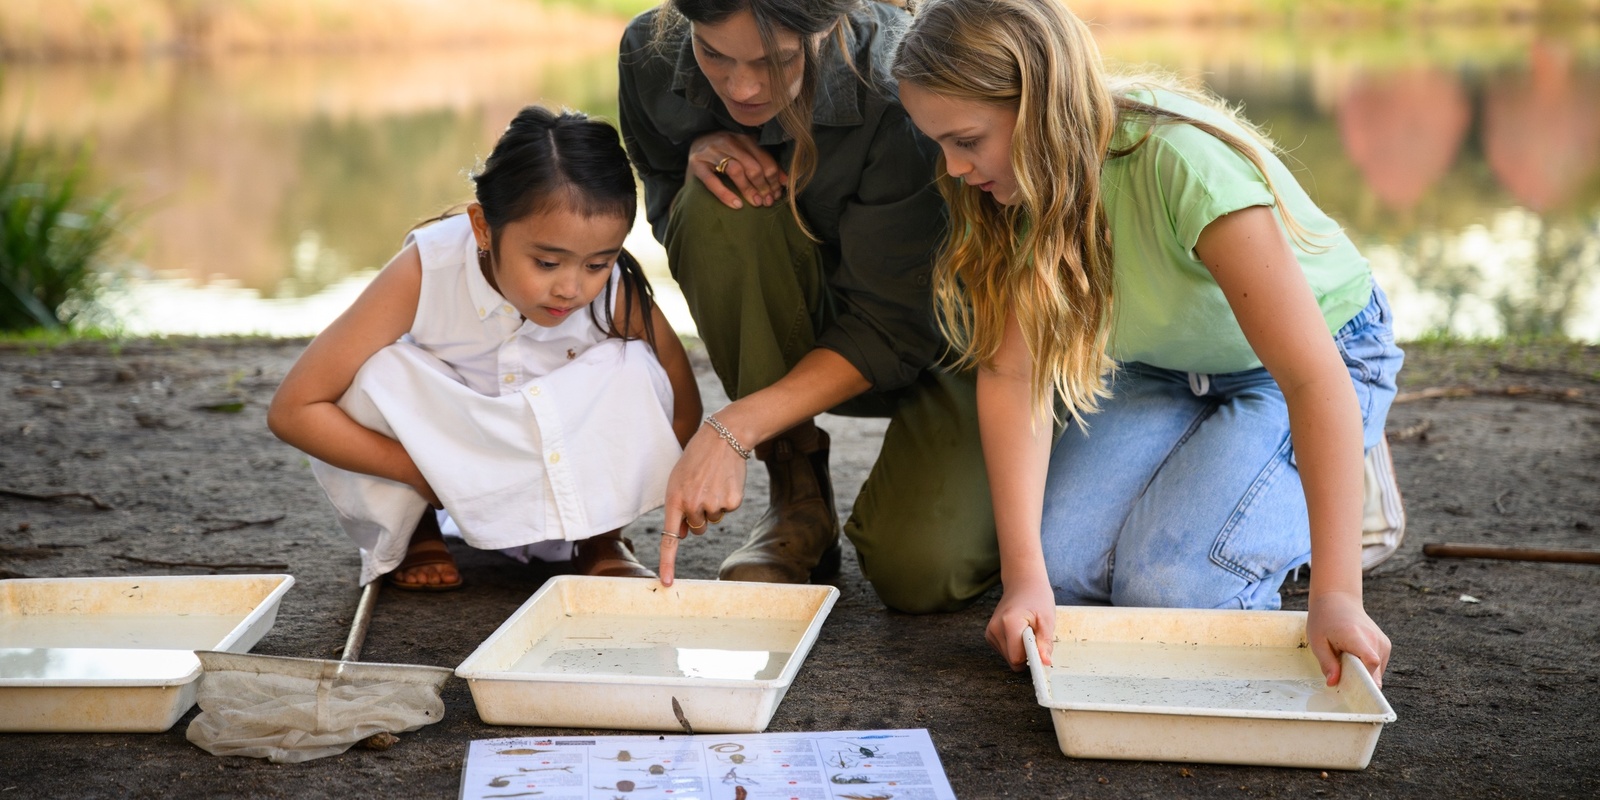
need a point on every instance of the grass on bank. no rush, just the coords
(1452, 361)
(54, 240)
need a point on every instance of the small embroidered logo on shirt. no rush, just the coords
(571, 354)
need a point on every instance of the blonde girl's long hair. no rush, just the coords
(808, 19)
(1046, 257)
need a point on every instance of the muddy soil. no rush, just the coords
(160, 453)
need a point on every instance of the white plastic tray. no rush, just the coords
(117, 654)
(1223, 687)
(616, 652)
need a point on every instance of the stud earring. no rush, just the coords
(483, 253)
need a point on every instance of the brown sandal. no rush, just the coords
(428, 552)
(608, 555)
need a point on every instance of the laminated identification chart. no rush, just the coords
(838, 765)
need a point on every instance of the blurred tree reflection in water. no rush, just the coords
(283, 175)
(1464, 159)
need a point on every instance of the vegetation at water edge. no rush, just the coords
(55, 241)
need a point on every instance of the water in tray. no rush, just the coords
(665, 647)
(94, 664)
(146, 631)
(1232, 678)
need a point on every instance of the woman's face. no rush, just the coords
(732, 57)
(975, 138)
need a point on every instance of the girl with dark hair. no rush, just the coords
(798, 209)
(507, 366)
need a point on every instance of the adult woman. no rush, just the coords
(795, 201)
(1255, 356)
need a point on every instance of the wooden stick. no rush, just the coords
(236, 524)
(199, 565)
(1447, 550)
(1574, 396)
(98, 503)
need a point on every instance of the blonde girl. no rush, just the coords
(507, 366)
(1139, 256)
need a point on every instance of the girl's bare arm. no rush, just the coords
(1016, 451)
(1256, 267)
(304, 411)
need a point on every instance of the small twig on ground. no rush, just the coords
(1409, 432)
(37, 551)
(1574, 396)
(235, 524)
(199, 565)
(1564, 373)
(1452, 550)
(1498, 507)
(98, 503)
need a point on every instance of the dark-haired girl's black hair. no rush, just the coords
(546, 160)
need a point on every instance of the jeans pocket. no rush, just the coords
(1269, 529)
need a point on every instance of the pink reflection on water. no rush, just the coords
(1403, 130)
(1541, 127)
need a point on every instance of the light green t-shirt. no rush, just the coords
(1169, 311)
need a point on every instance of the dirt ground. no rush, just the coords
(1496, 694)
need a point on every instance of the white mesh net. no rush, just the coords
(288, 710)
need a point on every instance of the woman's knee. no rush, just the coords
(717, 240)
(928, 580)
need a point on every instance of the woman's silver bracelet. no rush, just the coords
(728, 437)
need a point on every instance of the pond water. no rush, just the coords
(266, 191)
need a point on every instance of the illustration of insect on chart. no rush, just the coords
(836, 765)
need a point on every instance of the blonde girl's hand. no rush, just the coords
(1338, 624)
(754, 172)
(707, 482)
(1026, 604)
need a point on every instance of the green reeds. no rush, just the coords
(53, 238)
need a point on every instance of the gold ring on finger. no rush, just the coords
(714, 520)
(671, 535)
(694, 527)
(722, 166)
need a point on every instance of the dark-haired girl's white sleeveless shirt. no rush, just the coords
(527, 434)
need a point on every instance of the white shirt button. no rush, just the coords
(533, 390)
(555, 458)
(509, 377)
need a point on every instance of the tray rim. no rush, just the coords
(268, 603)
(1350, 665)
(830, 595)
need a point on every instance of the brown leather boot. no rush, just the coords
(797, 539)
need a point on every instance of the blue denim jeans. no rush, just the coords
(1184, 492)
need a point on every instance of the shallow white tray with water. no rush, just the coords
(1231, 687)
(117, 654)
(618, 652)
